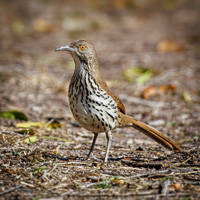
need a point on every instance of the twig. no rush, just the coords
(55, 156)
(146, 194)
(10, 190)
(144, 165)
(28, 184)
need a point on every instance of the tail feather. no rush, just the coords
(149, 131)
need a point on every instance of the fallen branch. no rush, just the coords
(144, 165)
(10, 190)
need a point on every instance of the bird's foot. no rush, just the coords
(91, 156)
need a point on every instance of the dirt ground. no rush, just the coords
(48, 160)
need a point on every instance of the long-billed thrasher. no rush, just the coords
(94, 106)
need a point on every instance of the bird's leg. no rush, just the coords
(109, 140)
(93, 143)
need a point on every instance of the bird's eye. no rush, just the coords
(82, 47)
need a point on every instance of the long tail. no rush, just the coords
(149, 131)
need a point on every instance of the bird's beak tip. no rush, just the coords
(65, 48)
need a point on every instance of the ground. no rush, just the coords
(47, 159)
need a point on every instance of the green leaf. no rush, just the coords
(39, 170)
(144, 77)
(14, 114)
(51, 125)
(104, 185)
(139, 75)
(170, 124)
(30, 124)
(31, 139)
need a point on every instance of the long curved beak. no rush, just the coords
(65, 48)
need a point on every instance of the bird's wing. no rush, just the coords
(120, 105)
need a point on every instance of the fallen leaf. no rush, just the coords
(128, 159)
(149, 92)
(54, 125)
(14, 114)
(144, 78)
(31, 139)
(187, 97)
(155, 90)
(139, 75)
(50, 125)
(196, 188)
(166, 46)
(28, 131)
(167, 88)
(117, 181)
(175, 187)
(39, 170)
(165, 165)
(30, 124)
(43, 26)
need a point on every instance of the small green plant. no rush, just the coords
(16, 153)
(169, 178)
(14, 114)
(39, 170)
(104, 185)
(187, 198)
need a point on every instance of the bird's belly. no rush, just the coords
(94, 113)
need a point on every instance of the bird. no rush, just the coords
(93, 104)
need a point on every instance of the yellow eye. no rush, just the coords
(82, 47)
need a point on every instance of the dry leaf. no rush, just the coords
(167, 88)
(175, 187)
(43, 26)
(154, 90)
(149, 92)
(117, 181)
(165, 165)
(187, 97)
(128, 159)
(166, 46)
(54, 125)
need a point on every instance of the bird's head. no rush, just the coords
(83, 52)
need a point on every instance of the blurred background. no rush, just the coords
(144, 47)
